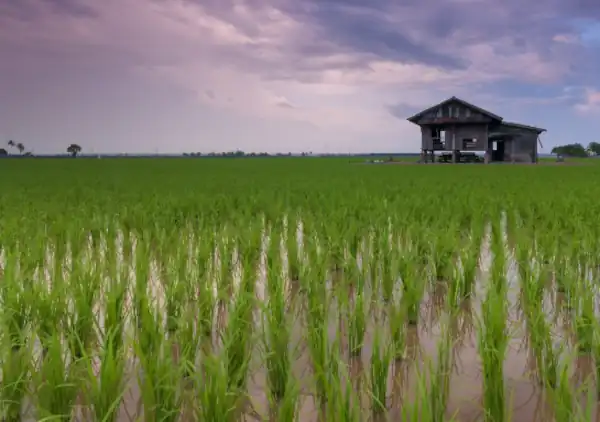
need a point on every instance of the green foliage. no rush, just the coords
(570, 150)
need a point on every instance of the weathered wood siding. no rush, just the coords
(426, 138)
(475, 132)
(479, 133)
(522, 148)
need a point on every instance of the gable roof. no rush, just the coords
(416, 117)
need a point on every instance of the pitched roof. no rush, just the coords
(416, 117)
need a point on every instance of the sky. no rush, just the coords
(174, 76)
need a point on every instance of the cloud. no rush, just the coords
(402, 111)
(338, 71)
(590, 103)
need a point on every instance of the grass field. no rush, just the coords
(297, 289)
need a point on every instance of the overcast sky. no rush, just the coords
(288, 75)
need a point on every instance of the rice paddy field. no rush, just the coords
(297, 289)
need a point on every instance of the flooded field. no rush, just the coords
(332, 297)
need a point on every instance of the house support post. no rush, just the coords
(512, 151)
(454, 151)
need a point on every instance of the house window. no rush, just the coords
(438, 112)
(469, 143)
(439, 139)
(467, 112)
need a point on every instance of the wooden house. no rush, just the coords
(456, 126)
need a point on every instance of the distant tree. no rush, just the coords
(73, 149)
(570, 150)
(11, 144)
(594, 148)
(3, 152)
(20, 147)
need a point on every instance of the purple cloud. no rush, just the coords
(327, 74)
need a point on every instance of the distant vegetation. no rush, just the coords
(74, 149)
(577, 150)
(239, 153)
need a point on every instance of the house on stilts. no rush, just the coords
(459, 129)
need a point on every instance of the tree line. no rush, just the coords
(72, 149)
(577, 150)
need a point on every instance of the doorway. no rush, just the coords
(498, 150)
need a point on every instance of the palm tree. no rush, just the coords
(11, 143)
(20, 147)
(74, 149)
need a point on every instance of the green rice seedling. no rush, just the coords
(523, 255)
(596, 354)
(59, 381)
(342, 401)
(216, 402)
(173, 277)
(15, 364)
(159, 383)
(498, 270)
(470, 264)
(561, 275)
(276, 328)
(439, 383)
(288, 407)
(190, 331)
(148, 331)
(413, 283)
(584, 316)
(47, 312)
(160, 376)
(317, 319)
(318, 346)
(419, 409)
(397, 320)
(187, 340)
(16, 301)
(549, 356)
(381, 359)
(388, 263)
(443, 253)
(115, 293)
(357, 323)
(206, 301)
(237, 341)
(540, 343)
(561, 394)
(354, 242)
(293, 252)
(346, 407)
(334, 244)
(106, 388)
(493, 342)
(225, 268)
